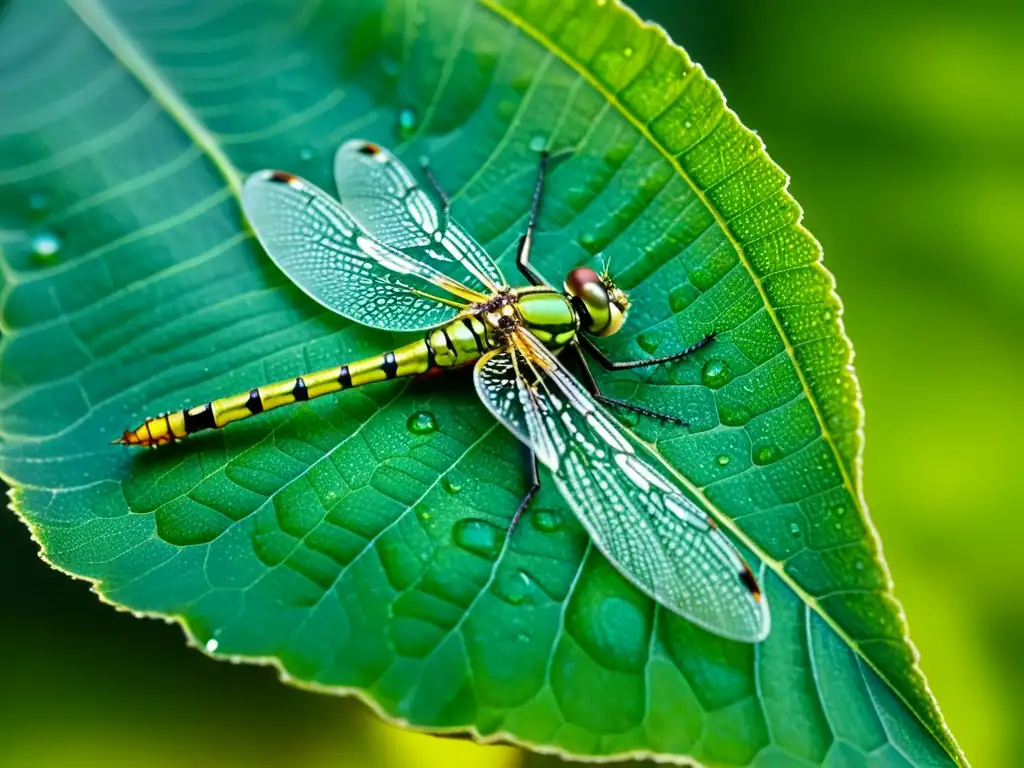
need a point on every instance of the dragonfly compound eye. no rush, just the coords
(600, 313)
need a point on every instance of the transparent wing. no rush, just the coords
(387, 202)
(318, 244)
(655, 536)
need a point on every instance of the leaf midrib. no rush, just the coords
(95, 16)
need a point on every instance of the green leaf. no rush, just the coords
(343, 540)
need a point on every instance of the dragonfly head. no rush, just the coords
(600, 305)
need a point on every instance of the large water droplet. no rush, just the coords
(716, 374)
(422, 423)
(538, 142)
(723, 460)
(766, 455)
(479, 537)
(515, 588)
(450, 485)
(648, 342)
(408, 122)
(547, 521)
(212, 645)
(46, 246)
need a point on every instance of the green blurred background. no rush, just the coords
(902, 126)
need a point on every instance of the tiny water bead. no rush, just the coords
(733, 414)
(422, 423)
(766, 455)
(46, 246)
(479, 537)
(547, 521)
(306, 154)
(794, 529)
(589, 242)
(716, 374)
(450, 485)
(627, 51)
(723, 460)
(538, 142)
(515, 587)
(681, 297)
(408, 122)
(212, 645)
(37, 202)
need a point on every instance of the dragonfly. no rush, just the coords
(390, 256)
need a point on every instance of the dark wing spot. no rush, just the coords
(747, 577)
(369, 149)
(282, 177)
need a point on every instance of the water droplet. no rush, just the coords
(408, 122)
(422, 423)
(46, 246)
(682, 297)
(390, 66)
(794, 529)
(479, 537)
(306, 154)
(601, 2)
(422, 512)
(627, 51)
(522, 638)
(702, 279)
(37, 201)
(716, 374)
(589, 242)
(617, 155)
(687, 124)
(766, 455)
(827, 315)
(538, 142)
(450, 485)
(839, 511)
(627, 418)
(648, 342)
(859, 565)
(547, 521)
(733, 414)
(515, 587)
(212, 645)
(723, 460)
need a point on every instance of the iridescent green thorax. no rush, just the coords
(548, 315)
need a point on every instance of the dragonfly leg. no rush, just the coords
(531, 464)
(590, 383)
(611, 365)
(526, 241)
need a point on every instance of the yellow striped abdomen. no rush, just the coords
(459, 342)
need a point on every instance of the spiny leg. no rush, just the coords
(526, 241)
(534, 476)
(611, 365)
(591, 384)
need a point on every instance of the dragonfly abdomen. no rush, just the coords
(409, 360)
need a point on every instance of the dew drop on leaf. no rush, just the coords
(681, 297)
(538, 142)
(859, 565)
(733, 414)
(408, 122)
(716, 374)
(212, 645)
(306, 154)
(37, 202)
(589, 242)
(627, 51)
(450, 485)
(765, 455)
(422, 423)
(648, 342)
(723, 460)
(547, 521)
(794, 529)
(839, 511)
(479, 537)
(46, 246)
(422, 512)
(515, 588)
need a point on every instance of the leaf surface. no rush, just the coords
(358, 541)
